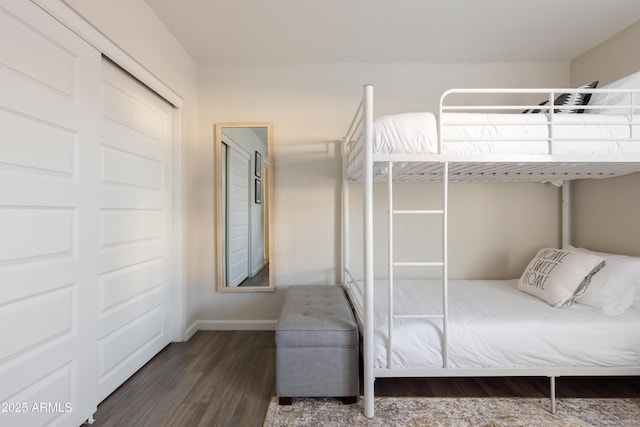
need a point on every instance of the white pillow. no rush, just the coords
(616, 288)
(629, 82)
(558, 276)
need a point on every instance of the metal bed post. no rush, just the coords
(631, 121)
(550, 115)
(566, 240)
(552, 383)
(369, 374)
(445, 238)
(345, 215)
(445, 272)
(566, 213)
(390, 267)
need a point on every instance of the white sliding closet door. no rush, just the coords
(238, 172)
(85, 222)
(135, 217)
(49, 82)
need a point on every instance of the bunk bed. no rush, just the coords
(470, 328)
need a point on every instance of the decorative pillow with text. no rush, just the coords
(559, 276)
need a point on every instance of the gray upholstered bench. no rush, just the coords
(316, 345)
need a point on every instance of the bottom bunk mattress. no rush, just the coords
(493, 324)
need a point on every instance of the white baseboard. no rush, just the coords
(230, 325)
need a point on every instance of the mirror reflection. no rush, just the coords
(243, 209)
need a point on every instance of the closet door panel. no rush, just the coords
(134, 303)
(50, 82)
(238, 173)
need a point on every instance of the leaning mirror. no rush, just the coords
(244, 191)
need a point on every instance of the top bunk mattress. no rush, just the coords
(505, 134)
(492, 324)
(488, 147)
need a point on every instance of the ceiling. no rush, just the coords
(436, 31)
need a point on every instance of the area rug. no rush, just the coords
(458, 412)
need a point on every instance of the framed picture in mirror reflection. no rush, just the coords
(258, 191)
(258, 162)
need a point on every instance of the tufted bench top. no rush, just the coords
(316, 316)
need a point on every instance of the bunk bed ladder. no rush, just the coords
(392, 263)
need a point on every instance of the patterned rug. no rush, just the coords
(458, 412)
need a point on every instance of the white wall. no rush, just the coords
(606, 211)
(610, 60)
(494, 229)
(311, 106)
(137, 30)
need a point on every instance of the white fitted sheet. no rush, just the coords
(492, 324)
(510, 134)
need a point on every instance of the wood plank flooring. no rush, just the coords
(217, 378)
(227, 378)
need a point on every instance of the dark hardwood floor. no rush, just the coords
(227, 378)
(217, 378)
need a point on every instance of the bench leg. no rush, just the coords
(285, 400)
(349, 400)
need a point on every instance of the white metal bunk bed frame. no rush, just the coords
(484, 168)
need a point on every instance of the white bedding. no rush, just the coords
(511, 134)
(492, 324)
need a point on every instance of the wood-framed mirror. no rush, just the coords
(244, 194)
